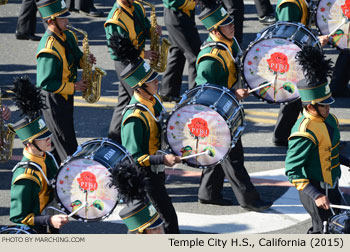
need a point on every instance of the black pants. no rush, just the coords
(287, 116)
(233, 168)
(185, 45)
(59, 119)
(319, 215)
(341, 74)
(264, 8)
(161, 201)
(124, 96)
(26, 23)
(235, 9)
(83, 5)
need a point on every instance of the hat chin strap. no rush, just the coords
(223, 34)
(36, 146)
(144, 87)
(57, 26)
(317, 110)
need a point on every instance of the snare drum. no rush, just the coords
(339, 224)
(328, 16)
(85, 177)
(208, 118)
(16, 230)
(270, 58)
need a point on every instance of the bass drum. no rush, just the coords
(329, 15)
(84, 179)
(270, 58)
(339, 224)
(16, 230)
(208, 118)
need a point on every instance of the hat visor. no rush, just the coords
(330, 100)
(156, 224)
(228, 21)
(64, 15)
(153, 76)
(44, 136)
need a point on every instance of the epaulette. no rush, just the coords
(49, 45)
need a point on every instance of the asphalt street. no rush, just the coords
(263, 160)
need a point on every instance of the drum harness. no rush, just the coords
(237, 60)
(37, 167)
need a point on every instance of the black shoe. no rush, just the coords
(269, 19)
(94, 13)
(73, 10)
(220, 202)
(258, 206)
(23, 36)
(168, 98)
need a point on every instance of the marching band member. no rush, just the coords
(313, 158)
(185, 45)
(140, 129)
(31, 191)
(58, 58)
(128, 18)
(216, 66)
(290, 11)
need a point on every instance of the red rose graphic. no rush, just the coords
(322, 9)
(61, 182)
(249, 63)
(278, 62)
(346, 9)
(87, 181)
(199, 127)
(171, 127)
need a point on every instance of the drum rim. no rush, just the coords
(15, 228)
(319, 30)
(261, 39)
(60, 203)
(178, 106)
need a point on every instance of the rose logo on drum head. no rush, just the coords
(278, 63)
(199, 127)
(87, 181)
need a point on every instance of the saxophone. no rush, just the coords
(93, 92)
(6, 138)
(2, 2)
(159, 64)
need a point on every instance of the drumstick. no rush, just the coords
(332, 32)
(78, 209)
(340, 206)
(257, 88)
(207, 152)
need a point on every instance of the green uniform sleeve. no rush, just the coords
(297, 160)
(49, 75)
(209, 70)
(133, 138)
(288, 12)
(24, 202)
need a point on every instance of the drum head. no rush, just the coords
(85, 180)
(328, 16)
(273, 61)
(195, 128)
